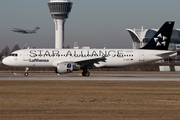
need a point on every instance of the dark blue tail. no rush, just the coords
(161, 39)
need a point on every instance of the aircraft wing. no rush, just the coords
(86, 61)
(90, 61)
(18, 30)
(22, 31)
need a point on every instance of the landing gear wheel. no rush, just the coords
(85, 73)
(26, 74)
(26, 71)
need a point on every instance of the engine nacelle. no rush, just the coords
(64, 68)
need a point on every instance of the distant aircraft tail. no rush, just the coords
(161, 39)
(35, 29)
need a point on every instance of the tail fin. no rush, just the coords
(161, 39)
(35, 29)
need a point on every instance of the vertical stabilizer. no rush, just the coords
(35, 29)
(161, 39)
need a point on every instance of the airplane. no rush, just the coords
(64, 60)
(25, 31)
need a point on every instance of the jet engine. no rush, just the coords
(64, 68)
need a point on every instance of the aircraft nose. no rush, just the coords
(5, 61)
(10, 61)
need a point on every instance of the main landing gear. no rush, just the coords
(26, 71)
(85, 72)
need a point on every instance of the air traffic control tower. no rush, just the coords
(59, 10)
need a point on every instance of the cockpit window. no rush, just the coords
(14, 54)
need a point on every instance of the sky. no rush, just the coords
(91, 23)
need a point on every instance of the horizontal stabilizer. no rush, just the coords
(169, 53)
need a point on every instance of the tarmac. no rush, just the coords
(96, 76)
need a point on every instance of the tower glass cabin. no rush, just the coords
(59, 10)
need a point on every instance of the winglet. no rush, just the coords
(161, 39)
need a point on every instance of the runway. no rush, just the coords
(95, 77)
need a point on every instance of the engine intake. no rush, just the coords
(64, 68)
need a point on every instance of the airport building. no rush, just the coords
(141, 37)
(80, 47)
(59, 10)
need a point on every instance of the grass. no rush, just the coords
(89, 100)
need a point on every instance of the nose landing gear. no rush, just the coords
(26, 71)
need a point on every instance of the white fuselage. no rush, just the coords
(114, 57)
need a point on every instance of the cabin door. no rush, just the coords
(141, 56)
(26, 56)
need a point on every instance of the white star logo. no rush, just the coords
(156, 39)
(158, 44)
(159, 36)
(164, 38)
(160, 40)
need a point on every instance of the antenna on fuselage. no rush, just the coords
(104, 46)
(24, 46)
